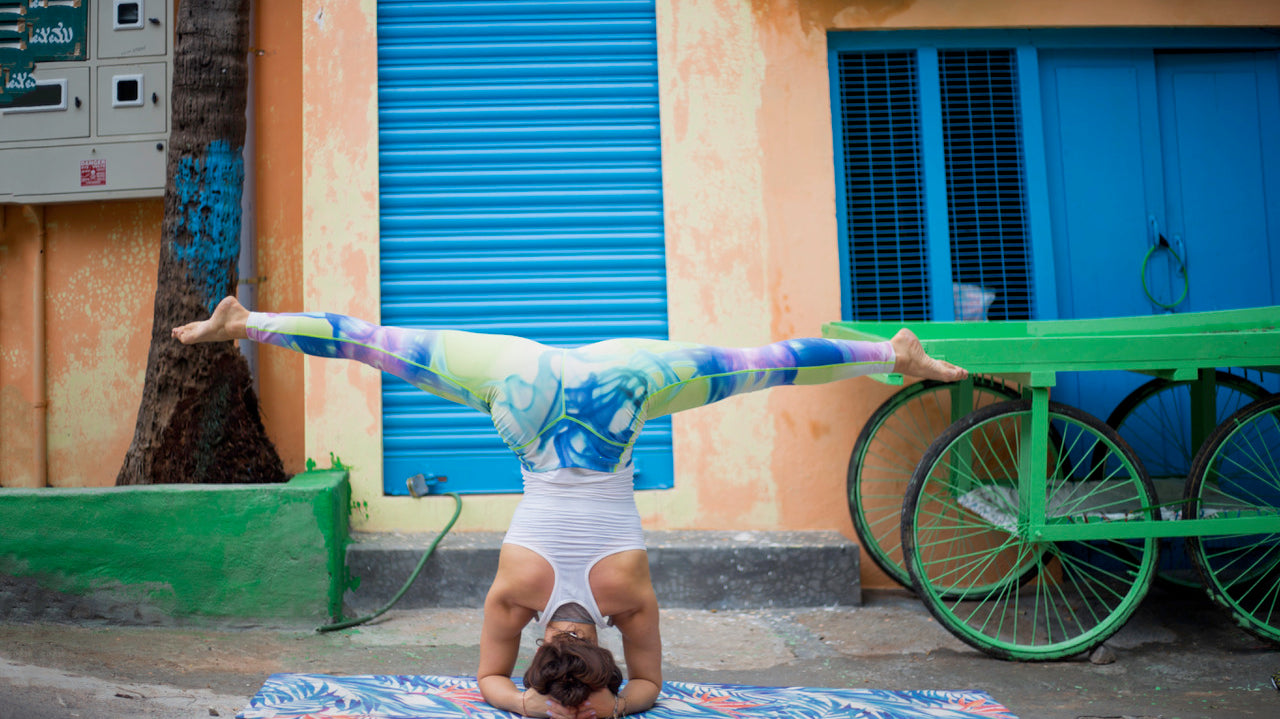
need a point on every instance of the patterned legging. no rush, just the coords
(580, 407)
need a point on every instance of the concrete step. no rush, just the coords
(690, 569)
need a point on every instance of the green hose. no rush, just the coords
(457, 510)
(1182, 269)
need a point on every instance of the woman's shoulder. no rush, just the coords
(524, 578)
(621, 584)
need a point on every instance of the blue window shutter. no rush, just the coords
(986, 194)
(884, 207)
(887, 196)
(520, 193)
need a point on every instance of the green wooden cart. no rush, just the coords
(1032, 530)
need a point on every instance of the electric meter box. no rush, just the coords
(84, 99)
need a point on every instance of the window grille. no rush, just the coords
(884, 197)
(886, 228)
(982, 139)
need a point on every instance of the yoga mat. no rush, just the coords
(317, 696)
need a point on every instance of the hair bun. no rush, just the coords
(568, 669)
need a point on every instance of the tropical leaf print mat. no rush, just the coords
(307, 696)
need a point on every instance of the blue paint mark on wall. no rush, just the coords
(209, 189)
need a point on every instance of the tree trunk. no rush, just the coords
(199, 420)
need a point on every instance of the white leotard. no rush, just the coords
(573, 518)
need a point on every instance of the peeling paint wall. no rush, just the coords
(100, 269)
(750, 221)
(750, 226)
(343, 411)
(748, 168)
(101, 260)
(277, 101)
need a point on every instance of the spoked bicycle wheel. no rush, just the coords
(1237, 474)
(888, 449)
(969, 557)
(1155, 419)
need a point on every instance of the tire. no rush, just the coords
(1008, 594)
(888, 449)
(1237, 473)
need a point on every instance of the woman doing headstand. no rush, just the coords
(573, 559)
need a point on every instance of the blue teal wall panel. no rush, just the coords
(520, 192)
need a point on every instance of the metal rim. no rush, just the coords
(1155, 419)
(1237, 473)
(1083, 591)
(885, 455)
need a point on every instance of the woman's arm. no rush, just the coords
(642, 648)
(624, 591)
(523, 578)
(499, 647)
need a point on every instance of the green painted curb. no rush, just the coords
(219, 551)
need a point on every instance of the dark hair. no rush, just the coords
(569, 669)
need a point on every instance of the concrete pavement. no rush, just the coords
(1178, 657)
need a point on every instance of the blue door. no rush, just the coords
(520, 192)
(1105, 184)
(1171, 151)
(1220, 126)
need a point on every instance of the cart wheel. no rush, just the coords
(1237, 474)
(960, 534)
(1155, 419)
(887, 452)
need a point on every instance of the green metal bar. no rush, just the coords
(1183, 346)
(1217, 526)
(1250, 320)
(1033, 460)
(1178, 344)
(1088, 353)
(961, 398)
(961, 405)
(1204, 407)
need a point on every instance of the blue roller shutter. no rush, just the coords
(520, 193)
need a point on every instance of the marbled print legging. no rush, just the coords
(580, 407)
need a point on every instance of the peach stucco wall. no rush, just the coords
(749, 191)
(278, 163)
(100, 279)
(100, 269)
(750, 226)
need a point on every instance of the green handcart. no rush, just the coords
(1031, 529)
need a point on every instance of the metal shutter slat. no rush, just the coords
(520, 193)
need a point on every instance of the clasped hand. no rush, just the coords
(599, 705)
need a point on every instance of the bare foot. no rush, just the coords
(227, 323)
(910, 358)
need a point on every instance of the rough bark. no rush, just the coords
(198, 421)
